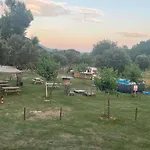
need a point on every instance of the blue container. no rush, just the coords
(147, 93)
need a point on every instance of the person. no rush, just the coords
(1, 100)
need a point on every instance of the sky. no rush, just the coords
(79, 24)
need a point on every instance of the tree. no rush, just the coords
(60, 58)
(116, 58)
(22, 52)
(86, 58)
(72, 55)
(108, 80)
(143, 61)
(102, 46)
(15, 20)
(35, 40)
(142, 48)
(4, 52)
(82, 67)
(47, 68)
(132, 72)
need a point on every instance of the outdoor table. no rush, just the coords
(79, 91)
(11, 90)
(37, 80)
(2, 85)
(3, 82)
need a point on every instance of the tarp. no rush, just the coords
(9, 70)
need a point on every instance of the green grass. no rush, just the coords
(81, 127)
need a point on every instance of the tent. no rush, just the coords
(9, 70)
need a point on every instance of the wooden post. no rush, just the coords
(24, 116)
(108, 108)
(136, 111)
(105, 107)
(46, 89)
(60, 112)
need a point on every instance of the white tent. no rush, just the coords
(9, 70)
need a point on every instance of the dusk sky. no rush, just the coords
(79, 24)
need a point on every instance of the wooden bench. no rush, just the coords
(87, 93)
(3, 82)
(11, 90)
(4, 85)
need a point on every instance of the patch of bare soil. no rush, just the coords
(47, 114)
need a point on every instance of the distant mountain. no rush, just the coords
(53, 49)
(46, 48)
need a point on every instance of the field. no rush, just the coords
(82, 126)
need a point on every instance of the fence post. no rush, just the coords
(136, 111)
(108, 108)
(105, 106)
(46, 89)
(24, 116)
(60, 113)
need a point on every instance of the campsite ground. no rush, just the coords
(81, 127)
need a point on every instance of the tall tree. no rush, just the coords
(47, 67)
(35, 40)
(103, 46)
(22, 52)
(132, 72)
(142, 48)
(108, 80)
(15, 20)
(143, 61)
(60, 58)
(86, 58)
(82, 67)
(117, 59)
(73, 56)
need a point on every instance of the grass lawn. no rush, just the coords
(81, 127)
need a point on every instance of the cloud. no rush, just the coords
(47, 8)
(133, 34)
(90, 20)
(50, 8)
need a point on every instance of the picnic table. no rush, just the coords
(37, 80)
(79, 91)
(3, 82)
(15, 89)
(2, 85)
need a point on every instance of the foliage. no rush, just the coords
(72, 55)
(35, 40)
(22, 52)
(86, 58)
(143, 61)
(47, 67)
(82, 67)
(108, 80)
(142, 48)
(116, 59)
(15, 20)
(62, 59)
(102, 46)
(132, 72)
